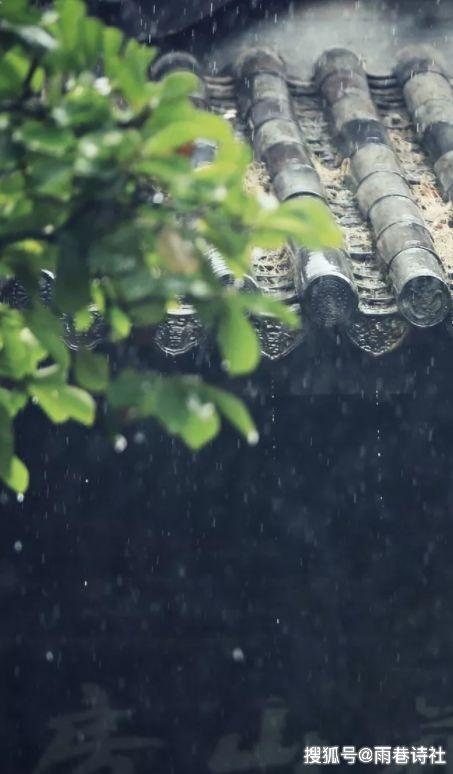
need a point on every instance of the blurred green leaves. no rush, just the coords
(185, 406)
(63, 401)
(98, 187)
(92, 371)
(308, 221)
(29, 341)
(237, 340)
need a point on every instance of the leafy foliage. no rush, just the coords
(86, 142)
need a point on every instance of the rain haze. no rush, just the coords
(284, 605)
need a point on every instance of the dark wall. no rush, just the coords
(313, 570)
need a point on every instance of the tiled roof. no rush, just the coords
(379, 151)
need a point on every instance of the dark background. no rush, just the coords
(323, 554)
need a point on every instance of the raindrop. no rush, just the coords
(252, 437)
(238, 655)
(120, 444)
(49, 656)
(18, 546)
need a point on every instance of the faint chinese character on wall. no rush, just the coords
(90, 742)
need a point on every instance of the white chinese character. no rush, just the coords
(437, 756)
(311, 739)
(330, 756)
(312, 756)
(401, 755)
(349, 754)
(419, 755)
(382, 755)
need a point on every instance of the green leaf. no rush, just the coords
(72, 289)
(237, 340)
(83, 108)
(131, 388)
(37, 80)
(261, 304)
(48, 398)
(235, 411)
(49, 376)
(83, 320)
(92, 41)
(21, 351)
(132, 75)
(16, 11)
(147, 313)
(176, 85)
(163, 169)
(204, 126)
(62, 402)
(112, 40)
(79, 404)
(17, 476)
(8, 153)
(231, 241)
(120, 324)
(12, 401)
(117, 252)
(12, 471)
(27, 258)
(14, 67)
(71, 14)
(49, 331)
(307, 221)
(183, 410)
(201, 425)
(92, 371)
(164, 113)
(42, 138)
(52, 177)
(32, 35)
(6, 442)
(178, 403)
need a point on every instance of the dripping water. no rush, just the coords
(273, 429)
(379, 457)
